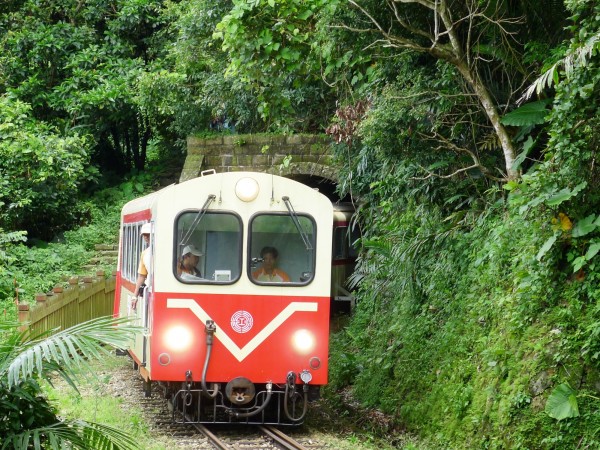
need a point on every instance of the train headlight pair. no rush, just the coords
(304, 341)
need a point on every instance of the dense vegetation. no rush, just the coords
(466, 132)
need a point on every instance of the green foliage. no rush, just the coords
(566, 181)
(271, 48)
(38, 268)
(533, 113)
(77, 66)
(457, 332)
(562, 403)
(29, 420)
(41, 171)
(474, 305)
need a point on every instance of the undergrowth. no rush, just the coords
(463, 340)
(30, 267)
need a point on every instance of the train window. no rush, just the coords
(343, 242)
(281, 249)
(208, 250)
(340, 246)
(353, 236)
(133, 245)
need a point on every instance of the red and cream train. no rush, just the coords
(225, 347)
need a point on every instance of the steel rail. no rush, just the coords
(218, 443)
(281, 438)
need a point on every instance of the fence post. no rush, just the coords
(23, 310)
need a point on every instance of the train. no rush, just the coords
(241, 272)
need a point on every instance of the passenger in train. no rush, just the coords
(144, 265)
(186, 269)
(269, 271)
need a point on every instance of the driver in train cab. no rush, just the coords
(269, 271)
(186, 269)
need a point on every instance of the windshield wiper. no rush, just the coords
(197, 219)
(294, 216)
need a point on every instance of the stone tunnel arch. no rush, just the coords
(310, 160)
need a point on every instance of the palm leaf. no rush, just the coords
(75, 434)
(69, 348)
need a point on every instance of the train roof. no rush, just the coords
(224, 179)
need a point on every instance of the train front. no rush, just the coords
(239, 323)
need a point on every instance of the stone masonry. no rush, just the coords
(310, 155)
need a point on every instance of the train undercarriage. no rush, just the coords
(240, 402)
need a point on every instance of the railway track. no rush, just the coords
(270, 437)
(188, 436)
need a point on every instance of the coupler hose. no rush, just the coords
(292, 383)
(210, 332)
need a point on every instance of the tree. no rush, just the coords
(270, 48)
(77, 65)
(357, 43)
(41, 171)
(29, 420)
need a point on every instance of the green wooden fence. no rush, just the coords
(83, 299)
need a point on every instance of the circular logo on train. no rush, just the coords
(241, 321)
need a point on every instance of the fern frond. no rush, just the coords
(69, 348)
(578, 57)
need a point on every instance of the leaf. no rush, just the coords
(585, 226)
(305, 15)
(562, 403)
(533, 113)
(578, 263)
(558, 198)
(565, 194)
(547, 246)
(527, 145)
(592, 250)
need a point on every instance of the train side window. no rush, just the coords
(132, 247)
(340, 245)
(343, 242)
(207, 250)
(353, 236)
(281, 250)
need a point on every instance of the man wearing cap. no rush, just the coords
(144, 263)
(190, 256)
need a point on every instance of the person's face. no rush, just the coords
(146, 238)
(190, 260)
(269, 262)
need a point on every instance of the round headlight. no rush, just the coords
(303, 341)
(178, 338)
(246, 189)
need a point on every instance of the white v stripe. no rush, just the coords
(241, 353)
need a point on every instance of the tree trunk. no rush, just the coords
(492, 113)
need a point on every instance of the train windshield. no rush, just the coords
(208, 251)
(281, 249)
